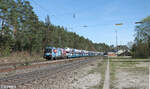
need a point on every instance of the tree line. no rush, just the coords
(21, 30)
(141, 46)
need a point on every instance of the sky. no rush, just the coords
(100, 17)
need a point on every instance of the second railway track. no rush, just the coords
(24, 65)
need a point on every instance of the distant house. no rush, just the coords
(125, 53)
(119, 53)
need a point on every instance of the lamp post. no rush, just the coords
(116, 40)
(119, 24)
(139, 22)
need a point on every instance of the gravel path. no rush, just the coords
(107, 77)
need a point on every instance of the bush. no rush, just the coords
(140, 50)
(5, 51)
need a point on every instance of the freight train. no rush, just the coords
(52, 53)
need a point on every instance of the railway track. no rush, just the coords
(25, 78)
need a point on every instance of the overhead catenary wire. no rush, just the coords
(47, 10)
(42, 8)
(74, 16)
(60, 19)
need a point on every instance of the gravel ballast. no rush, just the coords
(79, 78)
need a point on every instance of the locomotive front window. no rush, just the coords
(48, 50)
